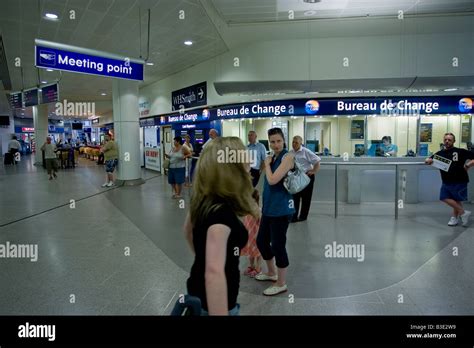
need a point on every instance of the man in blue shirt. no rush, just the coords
(260, 153)
(387, 147)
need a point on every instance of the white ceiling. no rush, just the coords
(111, 26)
(114, 26)
(254, 11)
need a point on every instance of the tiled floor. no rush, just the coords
(122, 251)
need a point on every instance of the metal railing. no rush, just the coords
(397, 177)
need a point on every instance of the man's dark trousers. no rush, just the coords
(305, 197)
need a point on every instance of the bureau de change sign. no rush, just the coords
(52, 55)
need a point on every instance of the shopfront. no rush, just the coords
(351, 130)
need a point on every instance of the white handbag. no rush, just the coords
(296, 180)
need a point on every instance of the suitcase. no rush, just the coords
(8, 158)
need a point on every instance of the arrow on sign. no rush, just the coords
(200, 93)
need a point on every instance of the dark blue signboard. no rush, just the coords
(189, 97)
(16, 100)
(379, 106)
(49, 94)
(31, 97)
(53, 58)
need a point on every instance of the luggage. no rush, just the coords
(8, 158)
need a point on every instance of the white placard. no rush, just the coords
(152, 159)
(441, 163)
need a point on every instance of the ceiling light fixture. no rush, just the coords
(103, 94)
(450, 89)
(51, 16)
(310, 13)
(49, 70)
(44, 81)
(150, 63)
(188, 42)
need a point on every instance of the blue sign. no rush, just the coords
(189, 97)
(54, 58)
(379, 106)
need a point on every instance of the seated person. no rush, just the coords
(387, 147)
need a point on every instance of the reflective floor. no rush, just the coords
(122, 251)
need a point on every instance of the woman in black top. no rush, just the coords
(222, 195)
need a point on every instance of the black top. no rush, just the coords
(237, 239)
(456, 174)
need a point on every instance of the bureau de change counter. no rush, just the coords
(372, 179)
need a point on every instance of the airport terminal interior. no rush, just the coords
(371, 87)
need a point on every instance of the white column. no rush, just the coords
(127, 130)
(40, 122)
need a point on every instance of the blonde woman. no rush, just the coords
(222, 196)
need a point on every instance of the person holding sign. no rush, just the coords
(453, 164)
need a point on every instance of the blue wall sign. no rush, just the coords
(93, 64)
(379, 106)
(189, 97)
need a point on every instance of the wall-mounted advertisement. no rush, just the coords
(426, 132)
(357, 129)
(466, 133)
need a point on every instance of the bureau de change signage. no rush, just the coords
(52, 55)
(189, 97)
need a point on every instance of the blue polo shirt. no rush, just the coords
(260, 154)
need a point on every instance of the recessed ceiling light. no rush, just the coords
(188, 43)
(51, 16)
(310, 13)
(103, 94)
(450, 89)
(150, 63)
(49, 70)
(44, 81)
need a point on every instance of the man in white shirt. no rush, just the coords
(310, 163)
(14, 146)
(212, 135)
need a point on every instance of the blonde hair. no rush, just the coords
(216, 183)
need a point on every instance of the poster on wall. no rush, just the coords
(466, 133)
(426, 132)
(357, 129)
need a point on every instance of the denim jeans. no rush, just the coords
(233, 312)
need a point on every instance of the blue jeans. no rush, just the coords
(233, 312)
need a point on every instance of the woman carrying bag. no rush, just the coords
(176, 171)
(277, 212)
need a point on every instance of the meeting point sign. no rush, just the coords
(51, 55)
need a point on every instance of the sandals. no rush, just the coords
(251, 272)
